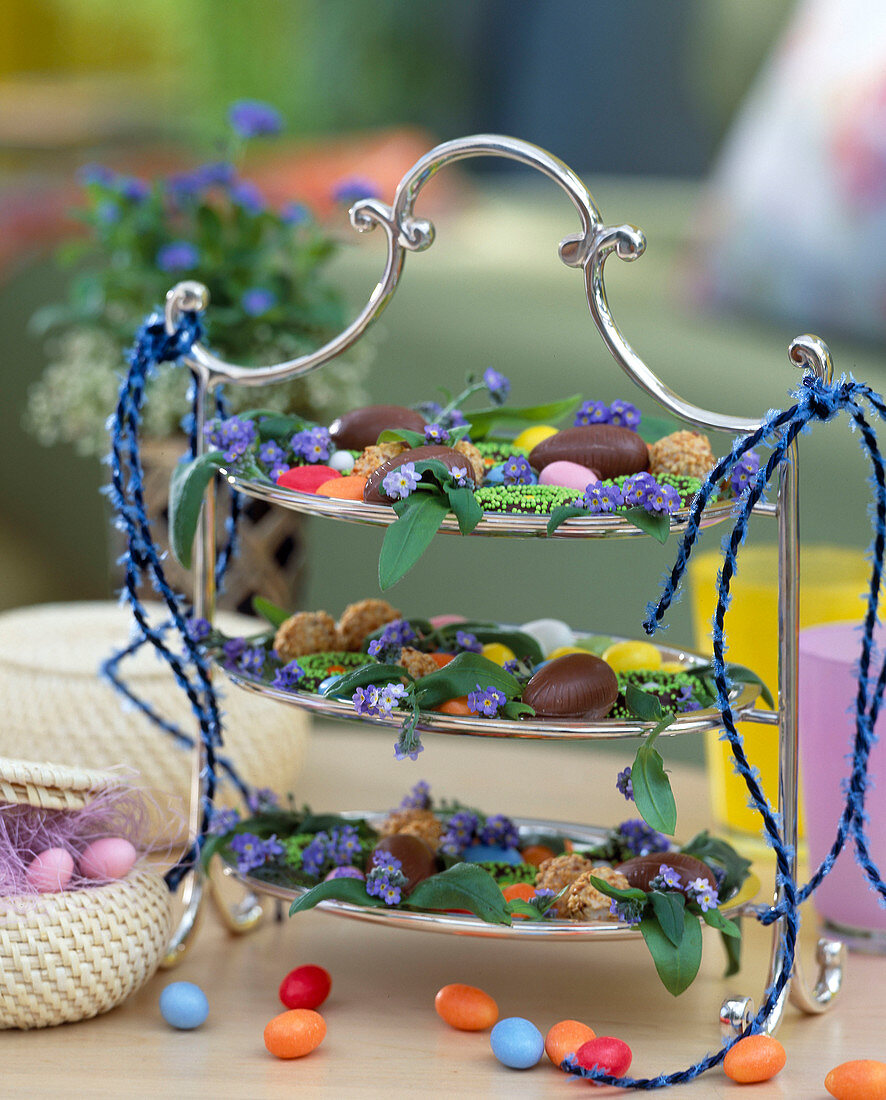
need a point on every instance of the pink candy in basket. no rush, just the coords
(109, 858)
(50, 871)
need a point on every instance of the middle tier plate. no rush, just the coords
(493, 524)
(742, 699)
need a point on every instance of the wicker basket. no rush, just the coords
(72, 955)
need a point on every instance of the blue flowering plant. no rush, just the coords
(265, 266)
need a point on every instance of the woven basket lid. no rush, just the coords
(51, 786)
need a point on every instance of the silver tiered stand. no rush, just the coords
(587, 250)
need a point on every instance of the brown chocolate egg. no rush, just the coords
(417, 858)
(578, 685)
(606, 448)
(361, 428)
(373, 492)
(640, 870)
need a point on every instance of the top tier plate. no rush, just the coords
(494, 524)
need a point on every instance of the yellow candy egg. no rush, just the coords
(531, 437)
(630, 656)
(672, 666)
(498, 653)
(564, 651)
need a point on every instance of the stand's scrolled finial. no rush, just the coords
(188, 296)
(812, 353)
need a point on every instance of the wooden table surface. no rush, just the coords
(384, 1038)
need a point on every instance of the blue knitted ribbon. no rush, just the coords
(153, 345)
(817, 402)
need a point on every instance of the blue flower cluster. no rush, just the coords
(419, 798)
(287, 677)
(624, 785)
(436, 433)
(620, 413)
(376, 702)
(178, 256)
(399, 483)
(627, 910)
(231, 651)
(257, 301)
(517, 471)
(261, 800)
(637, 490)
(486, 702)
(252, 661)
(274, 457)
(353, 189)
(394, 636)
(467, 642)
(251, 118)
(337, 848)
(641, 838)
(233, 437)
(198, 629)
(500, 832)
(743, 471)
(386, 879)
(313, 444)
(497, 384)
(602, 498)
(222, 821)
(461, 831)
(699, 890)
(252, 852)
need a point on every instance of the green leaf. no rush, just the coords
(336, 889)
(465, 507)
(517, 710)
(461, 676)
(656, 524)
(186, 489)
(594, 643)
(732, 947)
(365, 674)
(276, 426)
(669, 909)
(723, 924)
(643, 703)
(530, 912)
(483, 420)
(630, 893)
(397, 435)
(712, 850)
(464, 886)
(654, 428)
(409, 536)
(741, 675)
(562, 513)
(652, 790)
(275, 615)
(676, 966)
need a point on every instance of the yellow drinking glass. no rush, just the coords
(833, 586)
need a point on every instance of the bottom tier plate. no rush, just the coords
(462, 924)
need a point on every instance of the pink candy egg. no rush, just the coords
(50, 871)
(568, 474)
(109, 858)
(445, 620)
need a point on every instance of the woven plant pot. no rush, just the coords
(57, 707)
(270, 560)
(74, 954)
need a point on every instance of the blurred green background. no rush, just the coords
(635, 96)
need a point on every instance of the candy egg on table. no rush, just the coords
(531, 437)
(112, 857)
(565, 1038)
(50, 871)
(495, 651)
(184, 1005)
(570, 475)
(549, 633)
(608, 1054)
(755, 1058)
(465, 1007)
(517, 1043)
(631, 656)
(305, 987)
(295, 1033)
(343, 461)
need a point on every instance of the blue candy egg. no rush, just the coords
(484, 853)
(328, 682)
(495, 475)
(517, 1043)
(184, 1005)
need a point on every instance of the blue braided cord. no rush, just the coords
(818, 402)
(153, 345)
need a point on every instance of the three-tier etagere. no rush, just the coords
(586, 250)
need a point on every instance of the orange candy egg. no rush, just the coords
(522, 890)
(565, 1038)
(343, 488)
(465, 1007)
(457, 706)
(864, 1079)
(536, 854)
(756, 1058)
(441, 660)
(295, 1033)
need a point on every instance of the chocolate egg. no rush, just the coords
(576, 686)
(640, 870)
(361, 428)
(606, 448)
(417, 858)
(373, 493)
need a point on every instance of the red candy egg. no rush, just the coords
(305, 987)
(306, 479)
(608, 1054)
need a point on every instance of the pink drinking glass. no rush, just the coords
(849, 907)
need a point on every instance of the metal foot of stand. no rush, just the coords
(242, 917)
